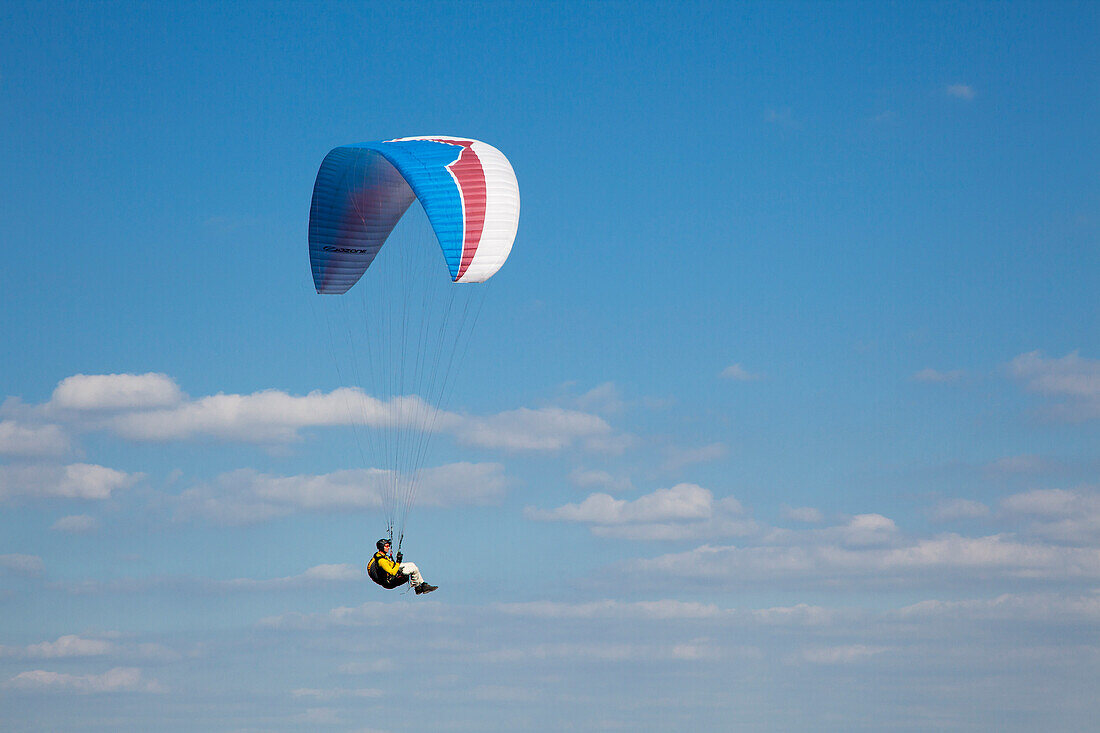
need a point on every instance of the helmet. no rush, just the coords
(381, 542)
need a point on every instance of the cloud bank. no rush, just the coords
(152, 407)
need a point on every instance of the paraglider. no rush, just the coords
(415, 330)
(392, 573)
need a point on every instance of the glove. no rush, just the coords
(400, 557)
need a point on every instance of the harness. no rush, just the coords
(379, 575)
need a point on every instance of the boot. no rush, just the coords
(425, 588)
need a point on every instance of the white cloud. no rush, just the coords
(951, 509)
(1058, 514)
(798, 615)
(246, 496)
(151, 407)
(75, 524)
(683, 512)
(1071, 377)
(118, 679)
(276, 416)
(866, 530)
(935, 376)
(22, 440)
(316, 575)
(116, 392)
(545, 429)
(1046, 607)
(601, 652)
(920, 561)
(70, 646)
(681, 502)
(75, 481)
(603, 398)
(267, 416)
(21, 564)
(961, 91)
(1044, 503)
(738, 373)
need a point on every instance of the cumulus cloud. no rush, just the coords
(681, 512)
(76, 524)
(821, 559)
(266, 416)
(683, 501)
(603, 398)
(118, 679)
(152, 407)
(801, 614)
(866, 530)
(738, 373)
(1073, 378)
(861, 530)
(1058, 514)
(116, 392)
(69, 645)
(961, 91)
(75, 481)
(32, 441)
(274, 416)
(316, 575)
(545, 429)
(935, 376)
(601, 651)
(246, 496)
(1048, 607)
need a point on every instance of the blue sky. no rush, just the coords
(782, 415)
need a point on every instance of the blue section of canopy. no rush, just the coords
(363, 190)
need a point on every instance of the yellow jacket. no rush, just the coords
(387, 563)
(383, 570)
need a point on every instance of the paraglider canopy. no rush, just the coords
(467, 188)
(405, 330)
